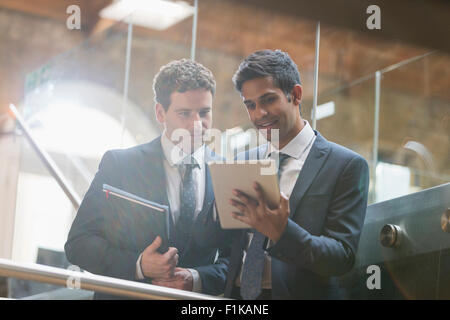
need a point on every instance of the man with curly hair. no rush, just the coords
(118, 241)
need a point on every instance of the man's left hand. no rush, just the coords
(182, 279)
(257, 214)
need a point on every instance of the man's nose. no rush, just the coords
(197, 126)
(260, 112)
(196, 117)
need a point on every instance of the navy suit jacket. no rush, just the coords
(327, 211)
(107, 240)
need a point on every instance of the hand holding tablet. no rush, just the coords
(227, 177)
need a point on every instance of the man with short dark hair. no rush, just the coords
(115, 241)
(298, 249)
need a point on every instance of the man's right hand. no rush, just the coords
(157, 265)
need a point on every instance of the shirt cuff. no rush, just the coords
(139, 273)
(197, 283)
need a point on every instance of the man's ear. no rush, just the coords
(297, 93)
(160, 113)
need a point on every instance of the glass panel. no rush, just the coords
(346, 116)
(414, 138)
(150, 50)
(73, 106)
(230, 31)
(94, 98)
(346, 56)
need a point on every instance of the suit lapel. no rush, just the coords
(155, 181)
(154, 174)
(315, 160)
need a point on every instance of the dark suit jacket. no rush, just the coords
(107, 240)
(327, 211)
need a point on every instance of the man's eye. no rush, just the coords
(250, 106)
(204, 113)
(184, 114)
(268, 100)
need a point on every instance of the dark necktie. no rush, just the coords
(254, 260)
(187, 201)
(282, 157)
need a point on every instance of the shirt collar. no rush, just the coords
(298, 144)
(175, 155)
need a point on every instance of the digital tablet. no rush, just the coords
(241, 175)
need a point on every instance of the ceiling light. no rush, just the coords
(153, 14)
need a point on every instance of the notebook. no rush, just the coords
(160, 213)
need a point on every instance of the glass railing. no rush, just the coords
(398, 119)
(94, 98)
(414, 139)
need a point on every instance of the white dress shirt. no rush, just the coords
(173, 156)
(298, 149)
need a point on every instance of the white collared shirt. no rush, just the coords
(173, 156)
(298, 149)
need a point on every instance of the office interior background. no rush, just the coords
(384, 93)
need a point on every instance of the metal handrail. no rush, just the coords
(61, 294)
(87, 281)
(46, 159)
